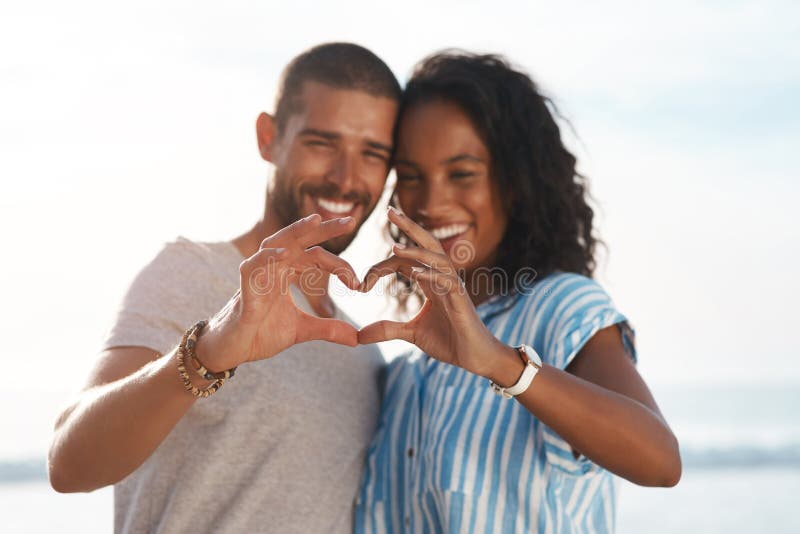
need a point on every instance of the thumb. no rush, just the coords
(384, 331)
(310, 328)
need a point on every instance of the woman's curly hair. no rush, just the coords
(546, 199)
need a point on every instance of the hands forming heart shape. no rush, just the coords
(447, 327)
(262, 319)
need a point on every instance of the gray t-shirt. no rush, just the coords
(279, 448)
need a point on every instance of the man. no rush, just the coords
(280, 446)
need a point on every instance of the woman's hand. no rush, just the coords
(447, 327)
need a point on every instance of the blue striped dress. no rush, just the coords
(450, 455)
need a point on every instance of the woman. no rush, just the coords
(496, 232)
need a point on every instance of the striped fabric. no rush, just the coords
(451, 456)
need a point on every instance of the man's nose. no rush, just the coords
(344, 172)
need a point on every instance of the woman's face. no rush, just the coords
(444, 183)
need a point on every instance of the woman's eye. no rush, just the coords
(460, 175)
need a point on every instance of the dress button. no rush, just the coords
(410, 452)
(408, 520)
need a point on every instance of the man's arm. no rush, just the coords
(131, 402)
(134, 397)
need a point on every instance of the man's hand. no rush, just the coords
(261, 319)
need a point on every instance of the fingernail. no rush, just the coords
(395, 211)
(399, 246)
(417, 269)
(280, 250)
(345, 220)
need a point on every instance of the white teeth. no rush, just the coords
(335, 207)
(443, 232)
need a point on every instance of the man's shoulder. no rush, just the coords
(183, 282)
(182, 249)
(183, 266)
(184, 259)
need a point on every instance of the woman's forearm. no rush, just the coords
(613, 430)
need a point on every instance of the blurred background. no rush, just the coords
(123, 126)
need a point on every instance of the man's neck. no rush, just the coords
(315, 288)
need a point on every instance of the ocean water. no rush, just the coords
(740, 446)
(715, 501)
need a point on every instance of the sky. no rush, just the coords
(124, 126)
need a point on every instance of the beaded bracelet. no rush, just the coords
(197, 365)
(186, 348)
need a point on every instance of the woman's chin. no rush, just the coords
(460, 250)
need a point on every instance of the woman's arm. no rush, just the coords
(602, 407)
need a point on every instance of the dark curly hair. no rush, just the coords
(546, 199)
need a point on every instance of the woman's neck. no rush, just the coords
(483, 284)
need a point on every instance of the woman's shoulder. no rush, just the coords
(556, 300)
(559, 289)
(565, 282)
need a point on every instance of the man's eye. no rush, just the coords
(318, 143)
(376, 155)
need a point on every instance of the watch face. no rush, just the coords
(532, 355)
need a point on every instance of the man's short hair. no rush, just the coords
(338, 65)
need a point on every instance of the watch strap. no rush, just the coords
(532, 365)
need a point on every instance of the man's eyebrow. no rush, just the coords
(320, 133)
(462, 157)
(332, 136)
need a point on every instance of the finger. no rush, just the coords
(384, 331)
(327, 230)
(290, 234)
(436, 283)
(310, 328)
(386, 267)
(417, 233)
(440, 262)
(320, 258)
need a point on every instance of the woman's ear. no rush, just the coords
(265, 135)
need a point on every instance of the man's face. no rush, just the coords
(332, 158)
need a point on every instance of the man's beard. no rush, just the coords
(288, 207)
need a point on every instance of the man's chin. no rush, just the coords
(337, 245)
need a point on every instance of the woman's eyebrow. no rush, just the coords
(406, 162)
(462, 157)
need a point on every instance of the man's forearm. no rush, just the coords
(112, 429)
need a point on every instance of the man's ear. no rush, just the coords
(265, 135)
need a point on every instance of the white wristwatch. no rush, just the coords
(532, 365)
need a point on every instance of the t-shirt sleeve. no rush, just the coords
(157, 306)
(580, 309)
